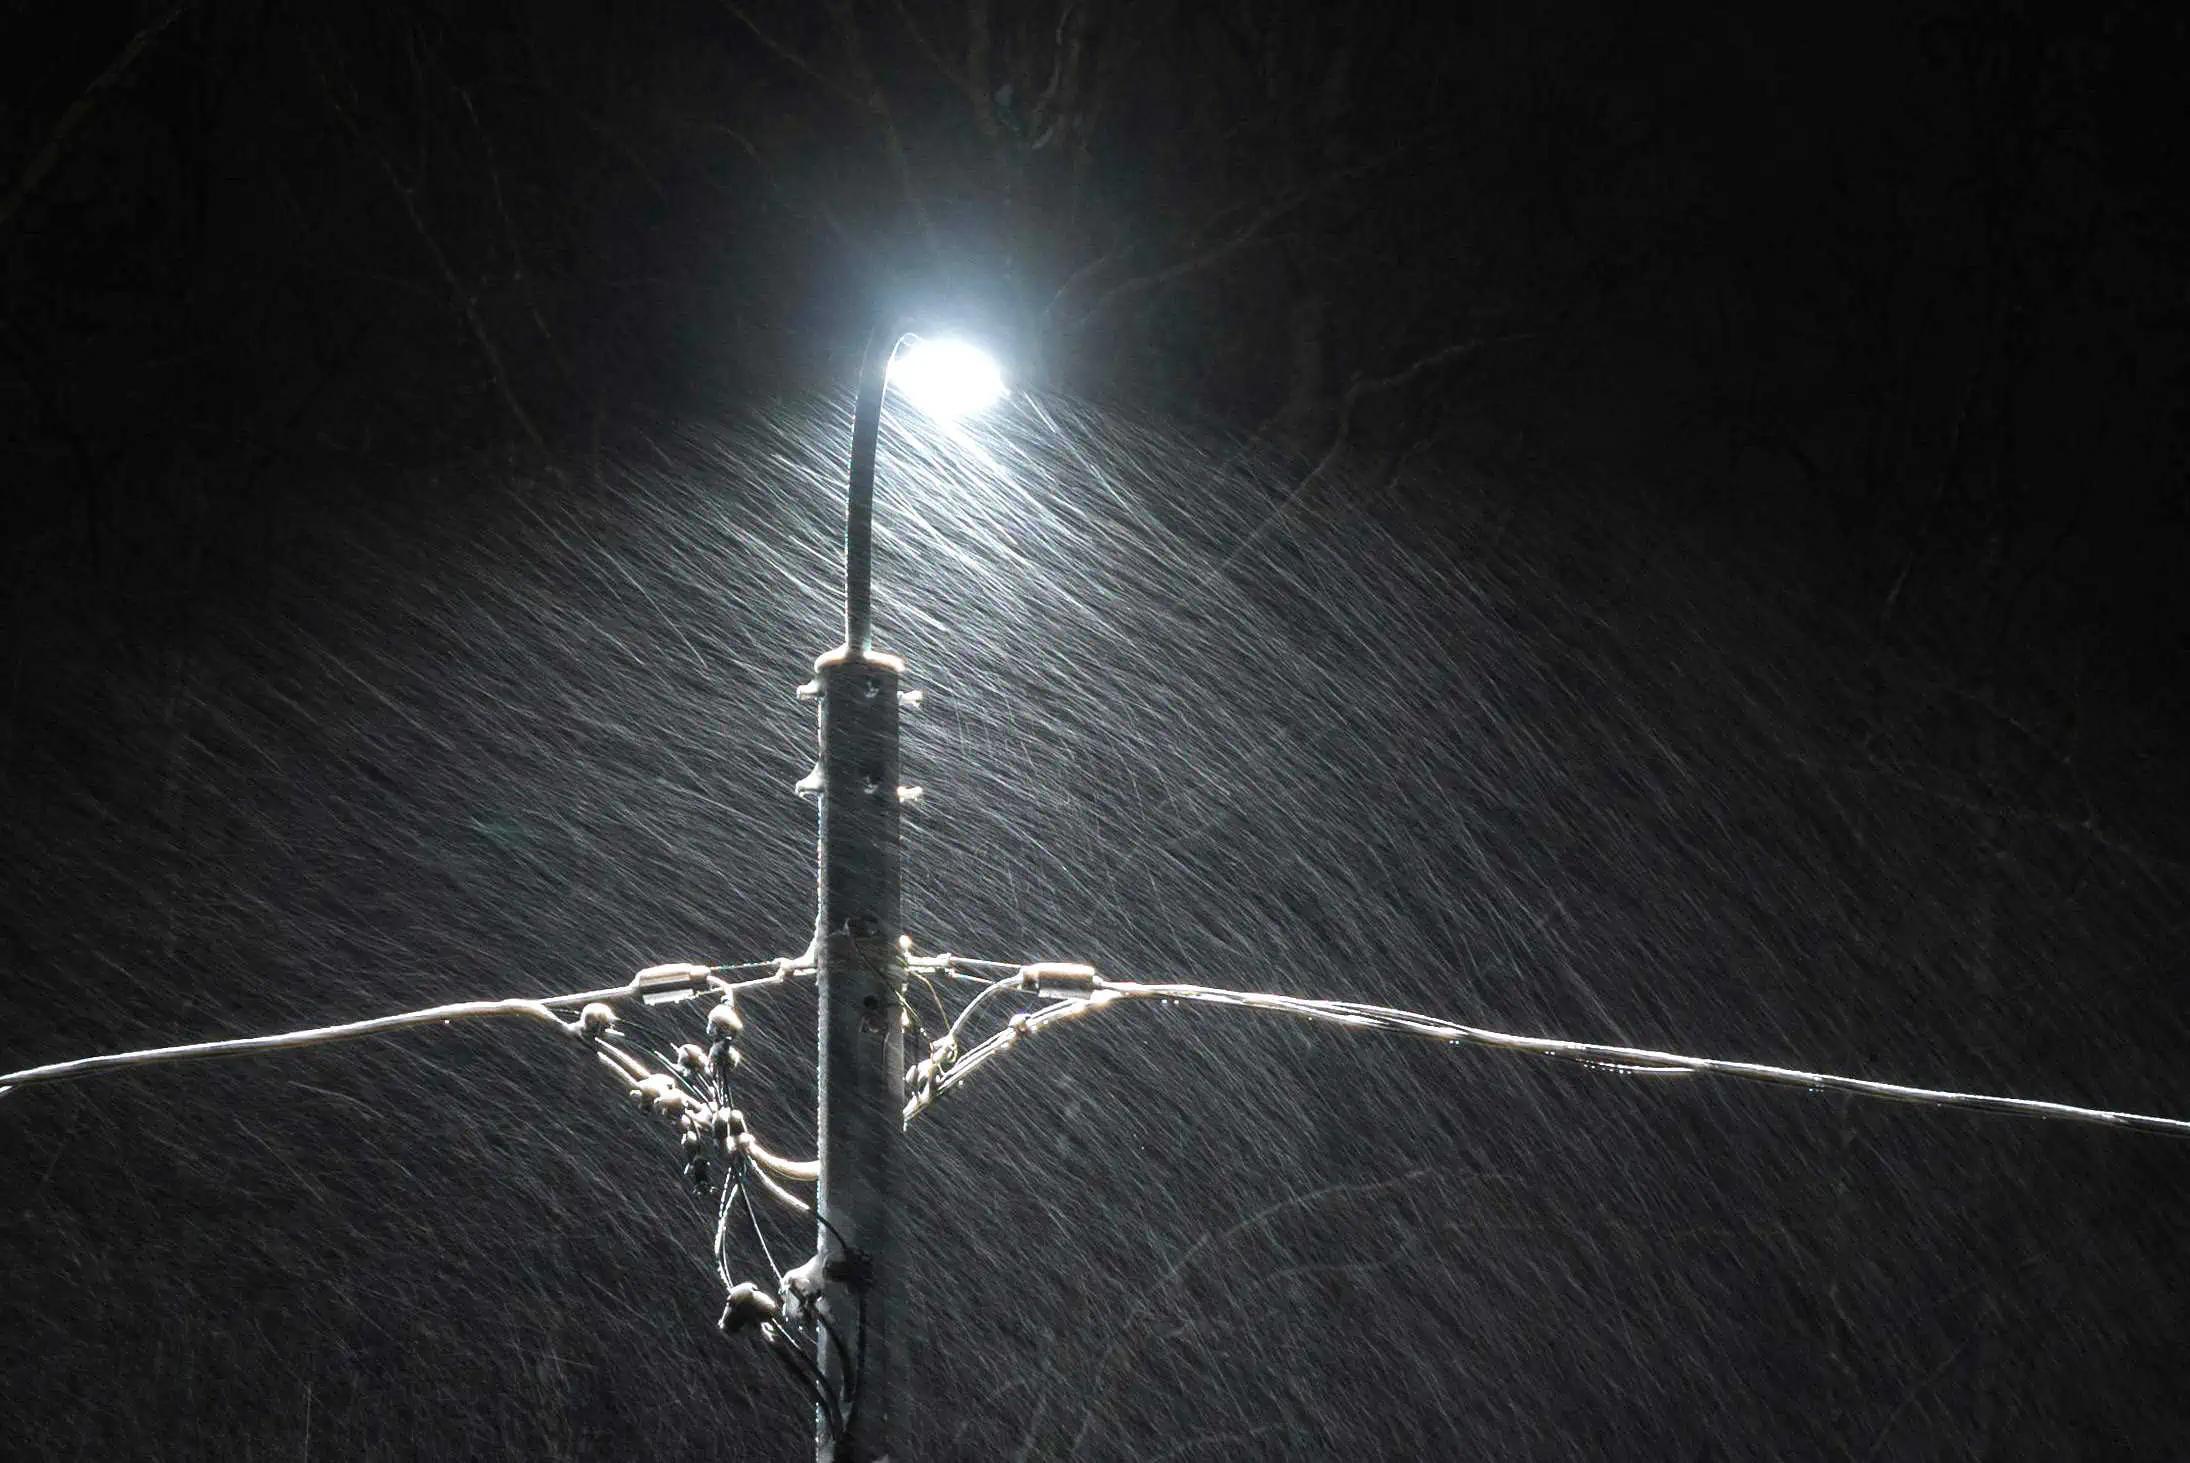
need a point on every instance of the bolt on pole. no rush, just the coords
(861, 978)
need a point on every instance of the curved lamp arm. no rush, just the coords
(874, 378)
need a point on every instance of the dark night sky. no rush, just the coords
(1661, 525)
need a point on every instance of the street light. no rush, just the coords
(859, 969)
(947, 379)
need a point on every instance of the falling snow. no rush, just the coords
(470, 737)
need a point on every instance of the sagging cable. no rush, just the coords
(82, 1067)
(655, 984)
(1639, 1060)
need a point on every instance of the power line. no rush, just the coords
(1642, 1061)
(1077, 994)
(694, 1090)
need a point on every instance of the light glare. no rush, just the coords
(947, 379)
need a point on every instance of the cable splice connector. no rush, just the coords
(1058, 978)
(675, 982)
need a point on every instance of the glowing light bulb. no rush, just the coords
(947, 379)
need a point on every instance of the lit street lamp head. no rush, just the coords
(947, 379)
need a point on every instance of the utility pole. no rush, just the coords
(861, 978)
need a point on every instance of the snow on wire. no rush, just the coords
(1072, 993)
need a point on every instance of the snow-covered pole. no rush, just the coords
(861, 980)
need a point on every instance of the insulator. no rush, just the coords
(693, 1059)
(725, 1021)
(745, 1305)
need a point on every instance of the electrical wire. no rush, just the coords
(284, 1041)
(856, 1375)
(1639, 1060)
(959, 967)
(777, 1191)
(935, 995)
(806, 1373)
(722, 1232)
(678, 980)
(683, 979)
(793, 1170)
(994, 1046)
(825, 1328)
(966, 1012)
(1358, 1015)
(760, 1235)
